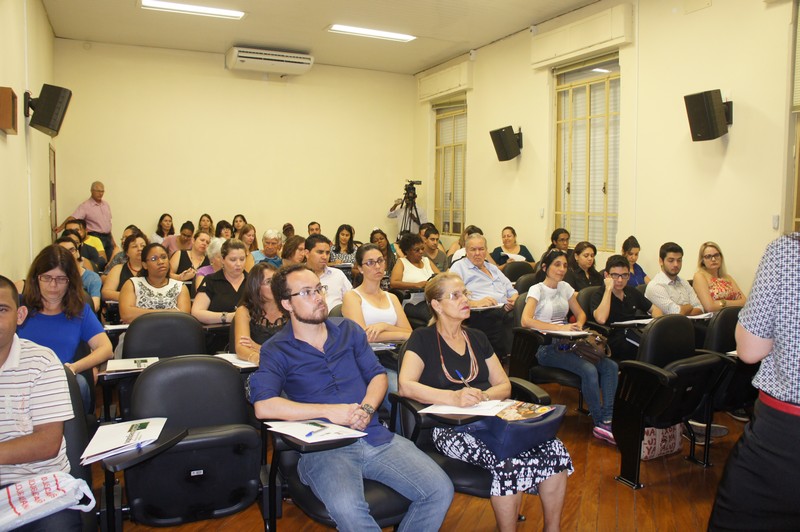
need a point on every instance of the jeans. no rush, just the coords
(86, 392)
(603, 377)
(63, 521)
(336, 478)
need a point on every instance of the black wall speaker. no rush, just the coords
(49, 109)
(507, 144)
(706, 113)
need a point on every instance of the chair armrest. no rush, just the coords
(285, 442)
(526, 390)
(605, 330)
(168, 438)
(642, 370)
(541, 338)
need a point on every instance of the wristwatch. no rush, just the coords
(368, 408)
(224, 318)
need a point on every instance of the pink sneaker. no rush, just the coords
(603, 432)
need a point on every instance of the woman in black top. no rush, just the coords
(434, 357)
(221, 291)
(582, 272)
(257, 316)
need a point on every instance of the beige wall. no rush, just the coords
(725, 190)
(173, 131)
(26, 61)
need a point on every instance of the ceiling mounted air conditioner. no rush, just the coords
(270, 61)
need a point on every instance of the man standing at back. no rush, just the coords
(36, 405)
(667, 291)
(97, 214)
(318, 253)
(328, 371)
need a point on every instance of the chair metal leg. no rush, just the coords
(581, 408)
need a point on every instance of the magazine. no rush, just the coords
(522, 411)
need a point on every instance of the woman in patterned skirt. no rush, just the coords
(434, 358)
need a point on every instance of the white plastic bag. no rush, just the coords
(42, 495)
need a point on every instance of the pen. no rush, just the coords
(463, 379)
(315, 431)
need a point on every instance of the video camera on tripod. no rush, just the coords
(409, 206)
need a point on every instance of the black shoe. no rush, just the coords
(740, 414)
(717, 431)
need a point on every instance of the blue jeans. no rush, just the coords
(603, 377)
(336, 478)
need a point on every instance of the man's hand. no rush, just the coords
(342, 414)
(360, 419)
(487, 301)
(609, 282)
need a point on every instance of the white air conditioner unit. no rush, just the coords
(270, 61)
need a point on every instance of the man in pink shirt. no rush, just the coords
(97, 214)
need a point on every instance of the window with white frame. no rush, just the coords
(450, 171)
(587, 150)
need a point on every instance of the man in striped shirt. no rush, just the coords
(34, 403)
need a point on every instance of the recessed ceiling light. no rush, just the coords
(172, 7)
(366, 32)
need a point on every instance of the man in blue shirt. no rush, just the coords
(491, 294)
(328, 371)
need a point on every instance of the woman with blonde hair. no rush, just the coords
(715, 288)
(437, 357)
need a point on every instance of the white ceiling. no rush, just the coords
(445, 28)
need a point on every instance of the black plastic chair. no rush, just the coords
(524, 364)
(667, 383)
(525, 282)
(162, 335)
(737, 391)
(515, 270)
(216, 469)
(585, 301)
(76, 436)
(336, 311)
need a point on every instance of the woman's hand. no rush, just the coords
(468, 397)
(247, 342)
(374, 330)
(185, 275)
(570, 327)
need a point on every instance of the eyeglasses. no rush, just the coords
(712, 256)
(49, 279)
(372, 262)
(455, 295)
(156, 258)
(618, 276)
(311, 292)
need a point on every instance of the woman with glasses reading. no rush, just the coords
(257, 317)
(153, 290)
(60, 318)
(715, 288)
(618, 301)
(446, 363)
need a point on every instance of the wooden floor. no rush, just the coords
(678, 495)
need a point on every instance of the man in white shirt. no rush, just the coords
(669, 292)
(318, 252)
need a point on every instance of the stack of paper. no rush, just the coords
(117, 438)
(236, 361)
(313, 431)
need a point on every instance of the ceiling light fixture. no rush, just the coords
(188, 9)
(366, 32)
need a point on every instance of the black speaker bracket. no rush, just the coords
(519, 138)
(28, 103)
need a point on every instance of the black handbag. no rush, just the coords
(510, 438)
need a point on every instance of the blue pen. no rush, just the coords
(463, 379)
(315, 431)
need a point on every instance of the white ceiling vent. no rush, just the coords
(270, 61)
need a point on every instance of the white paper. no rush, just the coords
(514, 256)
(118, 327)
(235, 360)
(642, 321)
(705, 316)
(116, 365)
(313, 430)
(484, 408)
(479, 309)
(117, 438)
(380, 346)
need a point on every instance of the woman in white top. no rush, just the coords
(378, 312)
(413, 271)
(164, 229)
(152, 290)
(546, 309)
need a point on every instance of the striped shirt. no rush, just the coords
(33, 391)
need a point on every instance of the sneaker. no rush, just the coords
(740, 414)
(603, 432)
(717, 431)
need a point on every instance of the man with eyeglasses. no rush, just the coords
(616, 301)
(328, 371)
(318, 253)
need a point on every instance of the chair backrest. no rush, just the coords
(697, 377)
(720, 335)
(76, 433)
(191, 391)
(336, 311)
(585, 299)
(525, 282)
(641, 288)
(164, 334)
(666, 339)
(519, 306)
(515, 270)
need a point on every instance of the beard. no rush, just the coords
(315, 317)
